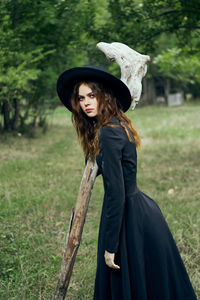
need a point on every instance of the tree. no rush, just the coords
(153, 27)
(39, 39)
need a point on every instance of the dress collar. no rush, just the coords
(114, 120)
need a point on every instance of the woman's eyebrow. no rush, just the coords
(86, 94)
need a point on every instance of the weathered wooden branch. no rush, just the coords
(75, 229)
(133, 66)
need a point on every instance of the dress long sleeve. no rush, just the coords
(111, 145)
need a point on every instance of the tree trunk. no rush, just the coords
(151, 92)
(15, 120)
(166, 89)
(15, 13)
(145, 94)
(6, 116)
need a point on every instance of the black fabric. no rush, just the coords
(133, 227)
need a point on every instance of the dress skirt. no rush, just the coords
(151, 267)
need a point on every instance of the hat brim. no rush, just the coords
(68, 79)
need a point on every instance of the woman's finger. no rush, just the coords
(114, 266)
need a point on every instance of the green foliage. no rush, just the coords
(140, 23)
(39, 39)
(178, 64)
(155, 28)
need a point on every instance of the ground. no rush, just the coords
(40, 178)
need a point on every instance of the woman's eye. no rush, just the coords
(92, 95)
(80, 98)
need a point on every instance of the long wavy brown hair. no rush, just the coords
(87, 128)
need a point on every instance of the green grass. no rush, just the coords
(39, 182)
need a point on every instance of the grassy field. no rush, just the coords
(39, 182)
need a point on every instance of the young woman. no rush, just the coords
(137, 256)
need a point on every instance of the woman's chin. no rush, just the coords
(91, 115)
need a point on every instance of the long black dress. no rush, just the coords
(133, 227)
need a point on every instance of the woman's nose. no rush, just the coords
(87, 101)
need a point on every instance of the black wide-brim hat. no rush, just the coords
(69, 78)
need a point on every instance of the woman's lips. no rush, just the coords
(89, 110)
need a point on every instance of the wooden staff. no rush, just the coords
(133, 69)
(75, 229)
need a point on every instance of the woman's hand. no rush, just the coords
(109, 259)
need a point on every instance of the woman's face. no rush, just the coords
(88, 101)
